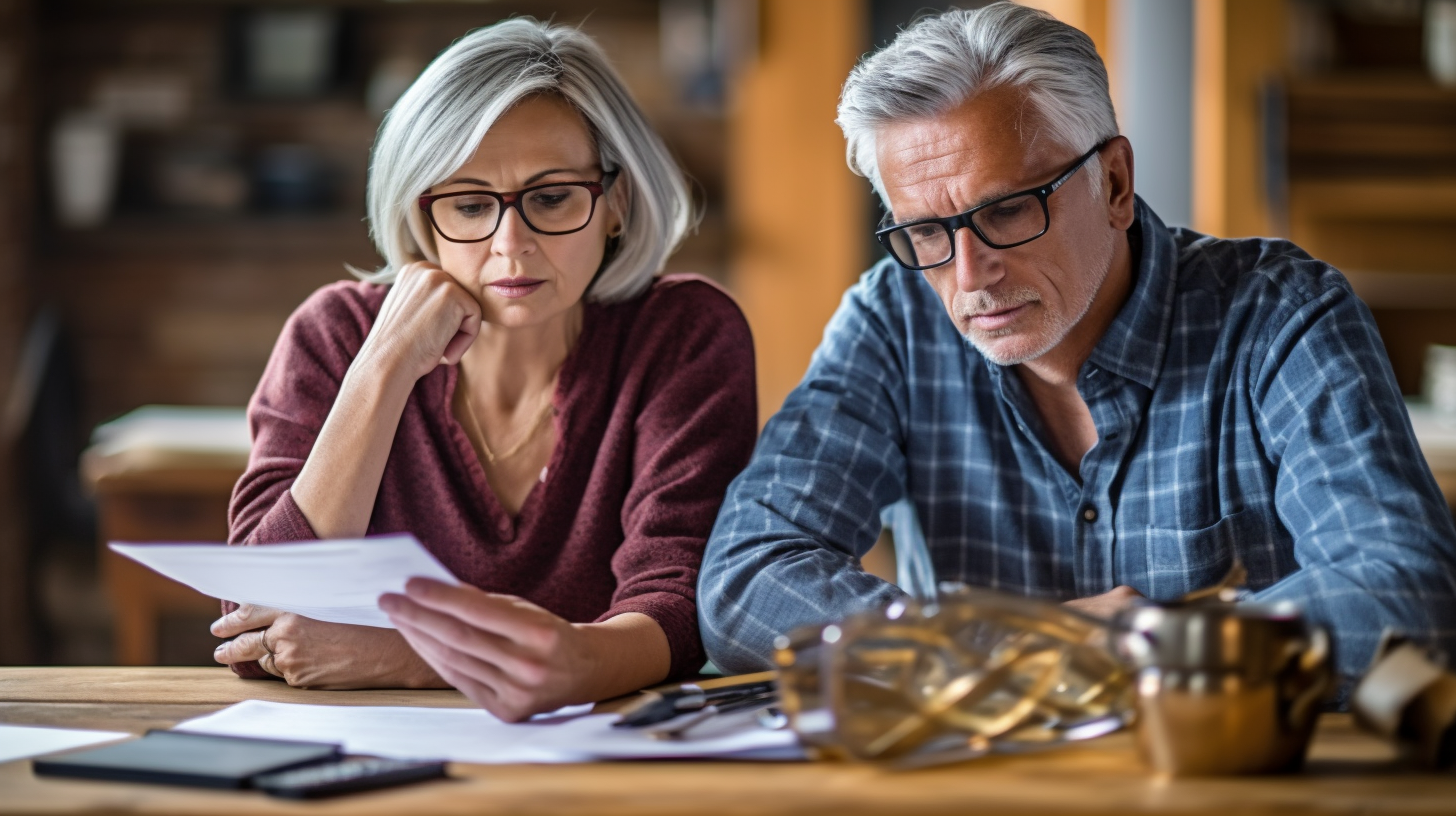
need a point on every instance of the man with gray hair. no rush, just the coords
(1070, 399)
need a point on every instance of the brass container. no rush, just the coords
(1224, 688)
(972, 672)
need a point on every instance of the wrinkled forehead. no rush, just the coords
(989, 145)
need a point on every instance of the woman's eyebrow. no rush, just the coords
(527, 183)
(476, 181)
(545, 173)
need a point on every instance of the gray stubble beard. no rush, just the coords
(1056, 329)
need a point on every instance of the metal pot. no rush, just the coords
(1224, 688)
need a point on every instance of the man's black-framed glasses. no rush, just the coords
(1009, 221)
(560, 208)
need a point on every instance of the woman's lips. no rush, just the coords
(993, 321)
(515, 287)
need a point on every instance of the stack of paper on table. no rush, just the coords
(338, 581)
(1435, 433)
(177, 429)
(473, 735)
(163, 439)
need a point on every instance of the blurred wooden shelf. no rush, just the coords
(1404, 290)
(155, 234)
(1371, 125)
(1373, 88)
(1374, 199)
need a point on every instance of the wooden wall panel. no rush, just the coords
(796, 210)
(1237, 46)
(165, 315)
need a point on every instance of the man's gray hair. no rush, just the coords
(438, 123)
(941, 61)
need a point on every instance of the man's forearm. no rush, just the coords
(753, 592)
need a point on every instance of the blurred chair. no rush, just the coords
(162, 473)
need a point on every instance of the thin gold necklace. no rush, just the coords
(492, 457)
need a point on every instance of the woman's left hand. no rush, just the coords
(316, 654)
(515, 659)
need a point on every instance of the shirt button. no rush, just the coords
(1090, 514)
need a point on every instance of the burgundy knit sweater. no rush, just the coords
(656, 412)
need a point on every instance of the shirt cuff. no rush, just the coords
(678, 618)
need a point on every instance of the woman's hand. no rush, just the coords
(515, 659)
(316, 654)
(427, 319)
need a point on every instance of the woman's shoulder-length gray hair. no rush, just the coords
(437, 124)
(943, 60)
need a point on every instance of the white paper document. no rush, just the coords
(338, 581)
(21, 741)
(473, 735)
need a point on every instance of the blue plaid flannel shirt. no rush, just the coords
(1244, 408)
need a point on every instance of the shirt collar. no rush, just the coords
(1134, 344)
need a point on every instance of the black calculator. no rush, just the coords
(346, 776)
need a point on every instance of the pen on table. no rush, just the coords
(677, 727)
(660, 706)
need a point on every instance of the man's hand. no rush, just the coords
(315, 654)
(1107, 604)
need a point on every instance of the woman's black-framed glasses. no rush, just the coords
(1009, 221)
(560, 208)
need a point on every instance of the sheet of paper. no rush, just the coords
(338, 581)
(21, 741)
(472, 735)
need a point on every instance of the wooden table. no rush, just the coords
(1348, 772)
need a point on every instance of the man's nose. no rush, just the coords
(512, 236)
(976, 265)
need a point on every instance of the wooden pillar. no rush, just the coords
(1095, 18)
(1238, 45)
(1092, 16)
(797, 212)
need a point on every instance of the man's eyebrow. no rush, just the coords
(527, 183)
(999, 192)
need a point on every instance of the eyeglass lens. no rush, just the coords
(1003, 223)
(546, 209)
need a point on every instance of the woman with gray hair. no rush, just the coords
(517, 387)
